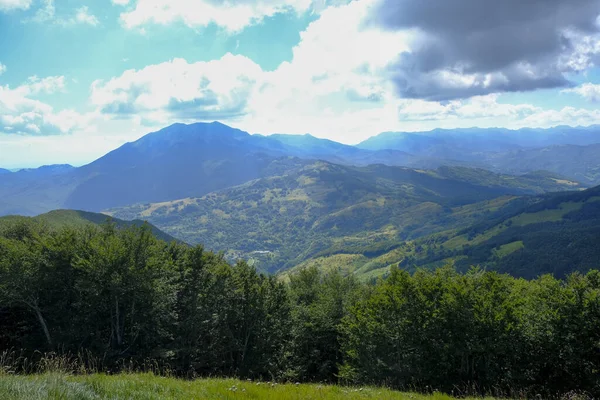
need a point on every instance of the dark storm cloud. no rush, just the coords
(519, 42)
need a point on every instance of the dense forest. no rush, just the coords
(116, 296)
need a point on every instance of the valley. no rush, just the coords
(322, 208)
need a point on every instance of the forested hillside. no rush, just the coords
(59, 219)
(117, 299)
(549, 234)
(283, 220)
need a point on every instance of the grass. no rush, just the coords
(553, 215)
(149, 386)
(509, 248)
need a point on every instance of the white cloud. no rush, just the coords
(9, 5)
(231, 15)
(20, 113)
(217, 89)
(588, 91)
(2, 68)
(337, 84)
(120, 2)
(565, 116)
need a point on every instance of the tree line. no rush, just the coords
(121, 295)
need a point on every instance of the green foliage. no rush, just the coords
(119, 299)
(320, 301)
(122, 294)
(435, 329)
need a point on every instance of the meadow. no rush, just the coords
(149, 386)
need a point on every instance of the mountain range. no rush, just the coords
(285, 201)
(192, 160)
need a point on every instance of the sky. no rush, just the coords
(80, 78)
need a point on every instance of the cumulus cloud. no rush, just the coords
(9, 5)
(2, 68)
(120, 2)
(463, 48)
(20, 113)
(588, 91)
(217, 89)
(335, 58)
(231, 15)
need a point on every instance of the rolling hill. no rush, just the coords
(319, 208)
(73, 218)
(553, 233)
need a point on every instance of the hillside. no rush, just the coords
(322, 207)
(72, 218)
(558, 235)
(554, 233)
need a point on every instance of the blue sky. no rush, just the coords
(79, 78)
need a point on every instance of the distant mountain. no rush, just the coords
(4, 171)
(570, 152)
(72, 218)
(581, 163)
(283, 220)
(183, 161)
(175, 162)
(474, 140)
(178, 161)
(46, 170)
(36, 191)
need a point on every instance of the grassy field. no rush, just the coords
(148, 386)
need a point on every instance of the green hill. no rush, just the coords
(323, 208)
(555, 233)
(74, 218)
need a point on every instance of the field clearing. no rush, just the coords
(148, 386)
